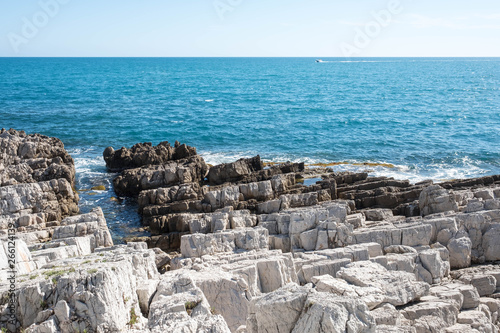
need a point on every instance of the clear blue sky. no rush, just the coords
(313, 28)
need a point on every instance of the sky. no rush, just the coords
(250, 28)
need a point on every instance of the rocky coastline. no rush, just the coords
(243, 247)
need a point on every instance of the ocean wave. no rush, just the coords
(89, 165)
(214, 158)
(362, 61)
(438, 172)
(76, 151)
(406, 60)
(356, 61)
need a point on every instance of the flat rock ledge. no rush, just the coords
(280, 248)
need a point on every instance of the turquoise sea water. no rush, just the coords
(435, 118)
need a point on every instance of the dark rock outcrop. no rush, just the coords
(236, 171)
(189, 170)
(142, 154)
(380, 192)
(175, 198)
(471, 183)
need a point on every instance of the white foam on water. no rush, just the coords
(364, 61)
(438, 172)
(88, 165)
(214, 158)
(90, 171)
(87, 160)
(80, 150)
(356, 61)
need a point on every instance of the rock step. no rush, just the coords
(162, 196)
(43, 202)
(132, 181)
(471, 183)
(249, 170)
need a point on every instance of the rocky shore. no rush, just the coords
(244, 247)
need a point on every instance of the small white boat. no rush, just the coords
(319, 60)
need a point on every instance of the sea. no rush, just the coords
(407, 118)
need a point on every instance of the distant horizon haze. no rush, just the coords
(240, 28)
(236, 57)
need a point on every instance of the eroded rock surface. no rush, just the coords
(36, 184)
(31, 158)
(142, 154)
(281, 248)
(188, 170)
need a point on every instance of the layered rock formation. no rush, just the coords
(39, 203)
(277, 249)
(33, 158)
(383, 247)
(36, 184)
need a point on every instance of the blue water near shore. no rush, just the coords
(432, 118)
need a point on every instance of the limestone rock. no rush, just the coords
(62, 311)
(491, 243)
(371, 296)
(460, 252)
(166, 195)
(386, 315)
(277, 311)
(432, 262)
(100, 291)
(301, 309)
(400, 287)
(435, 199)
(51, 200)
(324, 313)
(24, 263)
(233, 228)
(322, 267)
(478, 321)
(145, 293)
(48, 326)
(197, 245)
(31, 158)
(431, 316)
(181, 306)
(469, 293)
(484, 283)
(93, 224)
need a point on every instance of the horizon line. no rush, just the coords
(315, 57)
